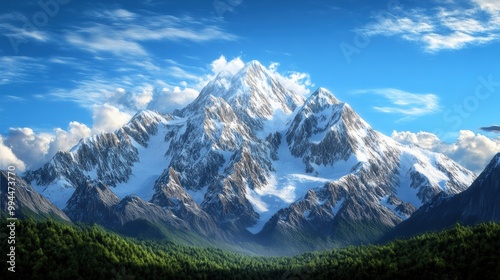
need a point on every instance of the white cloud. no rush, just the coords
(473, 151)
(90, 93)
(98, 43)
(28, 146)
(142, 99)
(14, 98)
(27, 149)
(221, 64)
(14, 26)
(492, 5)
(65, 140)
(8, 158)
(443, 28)
(108, 118)
(405, 103)
(455, 40)
(116, 15)
(123, 14)
(170, 98)
(273, 67)
(423, 139)
(183, 96)
(298, 82)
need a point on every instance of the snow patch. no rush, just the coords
(289, 183)
(338, 205)
(198, 195)
(151, 165)
(423, 162)
(256, 201)
(306, 214)
(59, 192)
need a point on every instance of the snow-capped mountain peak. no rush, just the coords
(322, 97)
(253, 91)
(248, 154)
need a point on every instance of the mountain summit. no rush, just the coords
(253, 160)
(253, 91)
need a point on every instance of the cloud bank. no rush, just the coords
(473, 151)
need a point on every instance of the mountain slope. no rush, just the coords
(95, 202)
(479, 203)
(126, 159)
(250, 158)
(371, 183)
(27, 202)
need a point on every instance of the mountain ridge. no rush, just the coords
(249, 156)
(479, 203)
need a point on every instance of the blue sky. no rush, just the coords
(422, 73)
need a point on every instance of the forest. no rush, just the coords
(52, 250)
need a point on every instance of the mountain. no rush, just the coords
(255, 161)
(479, 203)
(372, 183)
(27, 202)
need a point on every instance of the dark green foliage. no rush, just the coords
(51, 250)
(142, 229)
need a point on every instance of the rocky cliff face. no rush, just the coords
(249, 156)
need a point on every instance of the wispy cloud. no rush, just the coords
(123, 32)
(14, 98)
(405, 103)
(115, 15)
(180, 73)
(98, 42)
(447, 27)
(18, 69)
(14, 26)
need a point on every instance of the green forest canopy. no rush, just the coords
(51, 250)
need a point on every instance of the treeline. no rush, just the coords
(50, 250)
